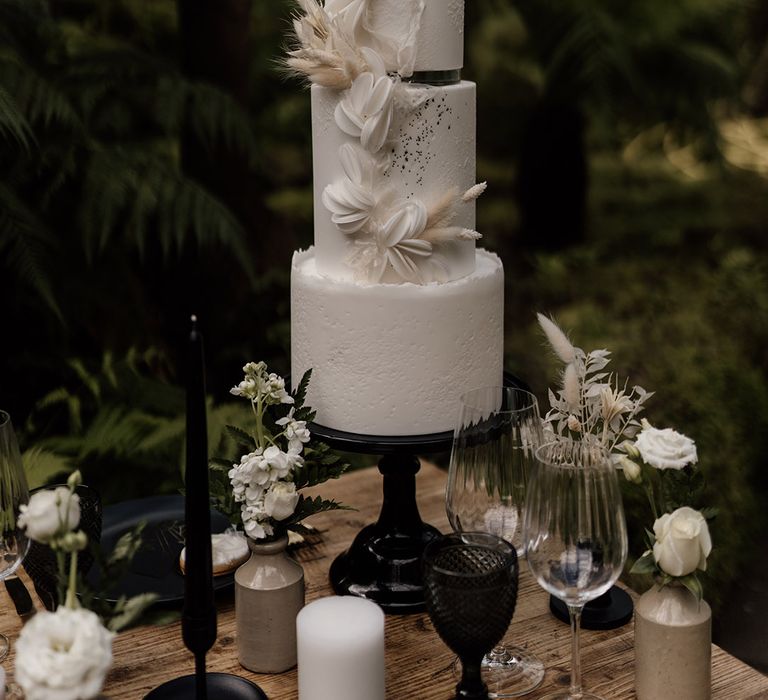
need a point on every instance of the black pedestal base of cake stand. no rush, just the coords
(383, 564)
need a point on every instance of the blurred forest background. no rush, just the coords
(157, 162)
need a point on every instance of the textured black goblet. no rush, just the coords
(40, 562)
(470, 585)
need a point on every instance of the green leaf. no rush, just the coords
(41, 465)
(311, 506)
(710, 513)
(692, 583)
(130, 611)
(241, 438)
(217, 464)
(644, 565)
(300, 395)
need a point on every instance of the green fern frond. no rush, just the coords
(42, 465)
(28, 244)
(243, 440)
(320, 464)
(311, 506)
(13, 124)
(88, 380)
(139, 192)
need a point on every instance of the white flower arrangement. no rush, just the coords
(66, 654)
(592, 404)
(280, 456)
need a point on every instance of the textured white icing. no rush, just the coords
(431, 152)
(439, 41)
(392, 359)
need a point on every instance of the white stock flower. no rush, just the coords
(63, 655)
(665, 449)
(278, 462)
(50, 513)
(352, 201)
(281, 499)
(296, 432)
(257, 384)
(247, 388)
(682, 543)
(257, 528)
(274, 389)
(365, 111)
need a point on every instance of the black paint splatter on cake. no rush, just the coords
(413, 147)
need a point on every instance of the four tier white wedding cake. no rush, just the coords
(394, 307)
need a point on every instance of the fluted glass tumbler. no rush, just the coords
(470, 587)
(497, 433)
(575, 533)
(13, 494)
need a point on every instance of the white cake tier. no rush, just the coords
(440, 38)
(432, 151)
(393, 359)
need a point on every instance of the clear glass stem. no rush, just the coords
(575, 615)
(499, 654)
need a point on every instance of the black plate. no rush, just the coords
(155, 568)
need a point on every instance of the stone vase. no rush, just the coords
(269, 593)
(673, 645)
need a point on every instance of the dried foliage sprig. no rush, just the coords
(322, 53)
(590, 401)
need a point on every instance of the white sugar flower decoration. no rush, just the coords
(398, 239)
(365, 111)
(64, 655)
(352, 201)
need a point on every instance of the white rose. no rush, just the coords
(665, 449)
(63, 655)
(281, 500)
(49, 513)
(682, 542)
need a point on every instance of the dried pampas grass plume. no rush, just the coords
(571, 387)
(557, 339)
(441, 214)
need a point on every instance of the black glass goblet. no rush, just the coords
(470, 585)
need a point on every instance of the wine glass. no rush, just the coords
(575, 533)
(13, 493)
(470, 588)
(497, 433)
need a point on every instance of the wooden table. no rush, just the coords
(418, 663)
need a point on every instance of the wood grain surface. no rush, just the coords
(418, 663)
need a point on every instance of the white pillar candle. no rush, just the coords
(341, 650)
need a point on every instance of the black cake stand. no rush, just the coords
(383, 564)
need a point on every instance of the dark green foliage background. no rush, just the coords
(108, 243)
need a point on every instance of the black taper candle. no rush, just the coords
(198, 622)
